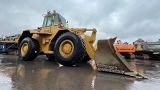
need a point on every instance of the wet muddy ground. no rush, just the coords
(42, 74)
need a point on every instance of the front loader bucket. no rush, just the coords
(108, 60)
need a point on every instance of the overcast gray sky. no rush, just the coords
(126, 19)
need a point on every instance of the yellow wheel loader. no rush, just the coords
(69, 46)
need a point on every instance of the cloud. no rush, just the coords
(126, 19)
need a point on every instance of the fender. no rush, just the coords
(27, 33)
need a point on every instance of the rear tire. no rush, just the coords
(28, 49)
(69, 49)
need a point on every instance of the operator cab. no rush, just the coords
(53, 19)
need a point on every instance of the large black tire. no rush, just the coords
(32, 49)
(77, 49)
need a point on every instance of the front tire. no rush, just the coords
(69, 49)
(28, 49)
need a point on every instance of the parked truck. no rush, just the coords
(147, 50)
(9, 44)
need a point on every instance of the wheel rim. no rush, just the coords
(24, 48)
(66, 48)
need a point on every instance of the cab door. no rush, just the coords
(47, 23)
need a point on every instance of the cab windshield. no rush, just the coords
(47, 21)
(58, 18)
